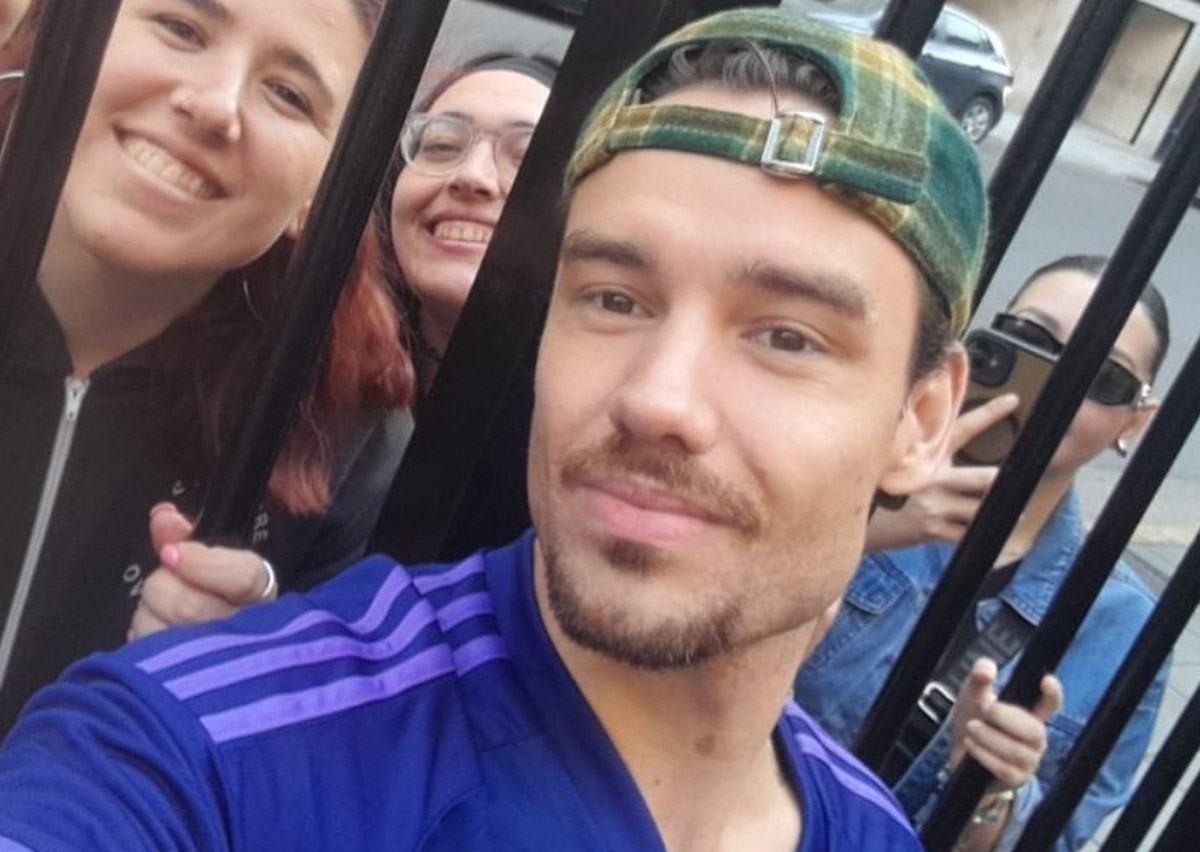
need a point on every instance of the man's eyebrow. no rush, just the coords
(214, 9)
(831, 289)
(587, 245)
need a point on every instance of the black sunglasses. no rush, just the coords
(1114, 384)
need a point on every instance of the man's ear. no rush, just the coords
(296, 227)
(923, 433)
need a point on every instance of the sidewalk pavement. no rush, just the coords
(1155, 551)
(1091, 150)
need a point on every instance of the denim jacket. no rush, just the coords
(839, 682)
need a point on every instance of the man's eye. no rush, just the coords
(784, 339)
(617, 303)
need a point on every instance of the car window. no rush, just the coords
(962, 33)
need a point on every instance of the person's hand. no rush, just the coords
(943, 510)
(195, 583)
(1006, 739)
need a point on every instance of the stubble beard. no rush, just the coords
(670, 642)
(655, 641)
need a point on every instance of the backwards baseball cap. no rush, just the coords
(892, 150)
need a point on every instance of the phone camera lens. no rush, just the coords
(991, 359)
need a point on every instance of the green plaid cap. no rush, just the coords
(892, 151)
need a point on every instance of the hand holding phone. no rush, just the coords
(1000, 365)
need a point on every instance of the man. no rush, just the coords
(736, 366)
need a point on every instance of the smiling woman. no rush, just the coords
(458, 156)
(194, 172)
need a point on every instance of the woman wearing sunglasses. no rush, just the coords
(199, 157)
(913, 546)
(458, 155)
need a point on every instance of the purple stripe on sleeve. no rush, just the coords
(461, 609)
(470, 566)
(391, 588)
(865, 787)
(304, 654)
(479, 651)
(279, 711)
(7, 845)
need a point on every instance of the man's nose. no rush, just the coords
(669, 392)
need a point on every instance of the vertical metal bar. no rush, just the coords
(1129, 269)
(1137, 671)
(1030, 152)
(1159, 781)
(57, 89)
(1184, 827)
(487, 361)
(907, 23)
(1113, 529)
(386, 85)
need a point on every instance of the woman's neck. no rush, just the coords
(1041, 507)
(105, 312)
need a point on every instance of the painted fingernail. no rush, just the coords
(169, 556)
(162, 507)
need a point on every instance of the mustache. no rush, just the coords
(672, 468)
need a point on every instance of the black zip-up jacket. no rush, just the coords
(82, 463)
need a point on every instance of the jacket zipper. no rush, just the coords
(63, 438)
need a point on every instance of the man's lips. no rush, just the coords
(648, 513)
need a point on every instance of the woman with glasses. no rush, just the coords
(459, 153)
(198, 161)
(914, 544)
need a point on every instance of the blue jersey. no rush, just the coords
(389, 710)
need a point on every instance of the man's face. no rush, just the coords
(722, 387)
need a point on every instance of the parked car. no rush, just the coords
(964, 59)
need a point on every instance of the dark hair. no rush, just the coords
(363, 369)
(743, 66)
(538, 67)
(1093, 264)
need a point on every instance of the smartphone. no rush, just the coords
(1001, 364)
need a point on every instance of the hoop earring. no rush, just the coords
(1121, 445)
(250, 302)
(12, 76)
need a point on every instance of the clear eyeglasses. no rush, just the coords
(438, 144)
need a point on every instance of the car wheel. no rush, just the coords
(977, 118)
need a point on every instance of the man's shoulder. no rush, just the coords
(376, 632)
(845, 804)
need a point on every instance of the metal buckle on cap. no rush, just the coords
(935, 714)
(773, 163)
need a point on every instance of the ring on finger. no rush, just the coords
(272, 588)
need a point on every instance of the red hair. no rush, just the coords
(363, 370)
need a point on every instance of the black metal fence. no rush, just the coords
(469, 446)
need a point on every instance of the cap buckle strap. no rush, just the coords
(772, 160)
